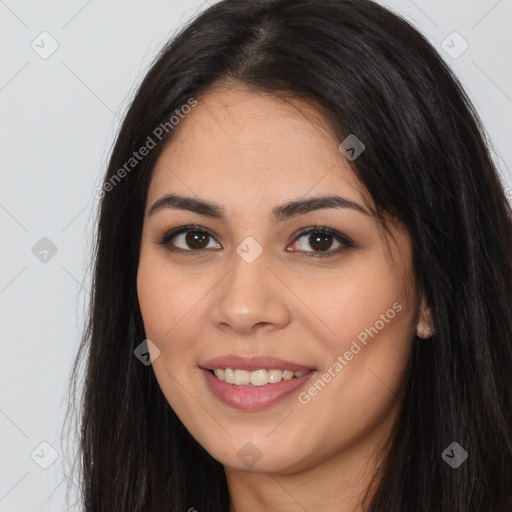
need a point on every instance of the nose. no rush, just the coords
(252, 296)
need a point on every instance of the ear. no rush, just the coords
(425, 326)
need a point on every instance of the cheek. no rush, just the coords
(156, 306)
(170, 323)
(371, 328)
(166, 298)
(169, 306)
(359, 384)
(363, 298)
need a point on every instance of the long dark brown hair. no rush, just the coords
(427, 163)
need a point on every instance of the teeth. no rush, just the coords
(256, 377)
(241, 377)
(229, 376)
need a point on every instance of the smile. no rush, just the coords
(259, 377)
(254, 396)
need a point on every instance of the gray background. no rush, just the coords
(59, 117)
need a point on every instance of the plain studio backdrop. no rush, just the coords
(68, 71)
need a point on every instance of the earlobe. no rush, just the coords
(425, 327)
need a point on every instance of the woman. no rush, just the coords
(302, 275)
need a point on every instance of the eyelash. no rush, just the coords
(166, 237)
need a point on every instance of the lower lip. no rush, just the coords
(253, 397)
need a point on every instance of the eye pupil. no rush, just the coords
(196, 237)
(319, 239)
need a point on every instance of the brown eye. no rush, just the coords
(196, 239)
(188, 239)
(321, 240)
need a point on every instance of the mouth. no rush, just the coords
(253, 382)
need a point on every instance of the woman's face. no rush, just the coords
(243, 281)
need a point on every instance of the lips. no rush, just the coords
(252, 363)
(260, 395)
(253, 397)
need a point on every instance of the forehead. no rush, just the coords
(253, 144)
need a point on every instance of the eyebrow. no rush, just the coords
(279, 213)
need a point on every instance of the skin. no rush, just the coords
(250, 152)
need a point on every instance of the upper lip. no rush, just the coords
(251, 363)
